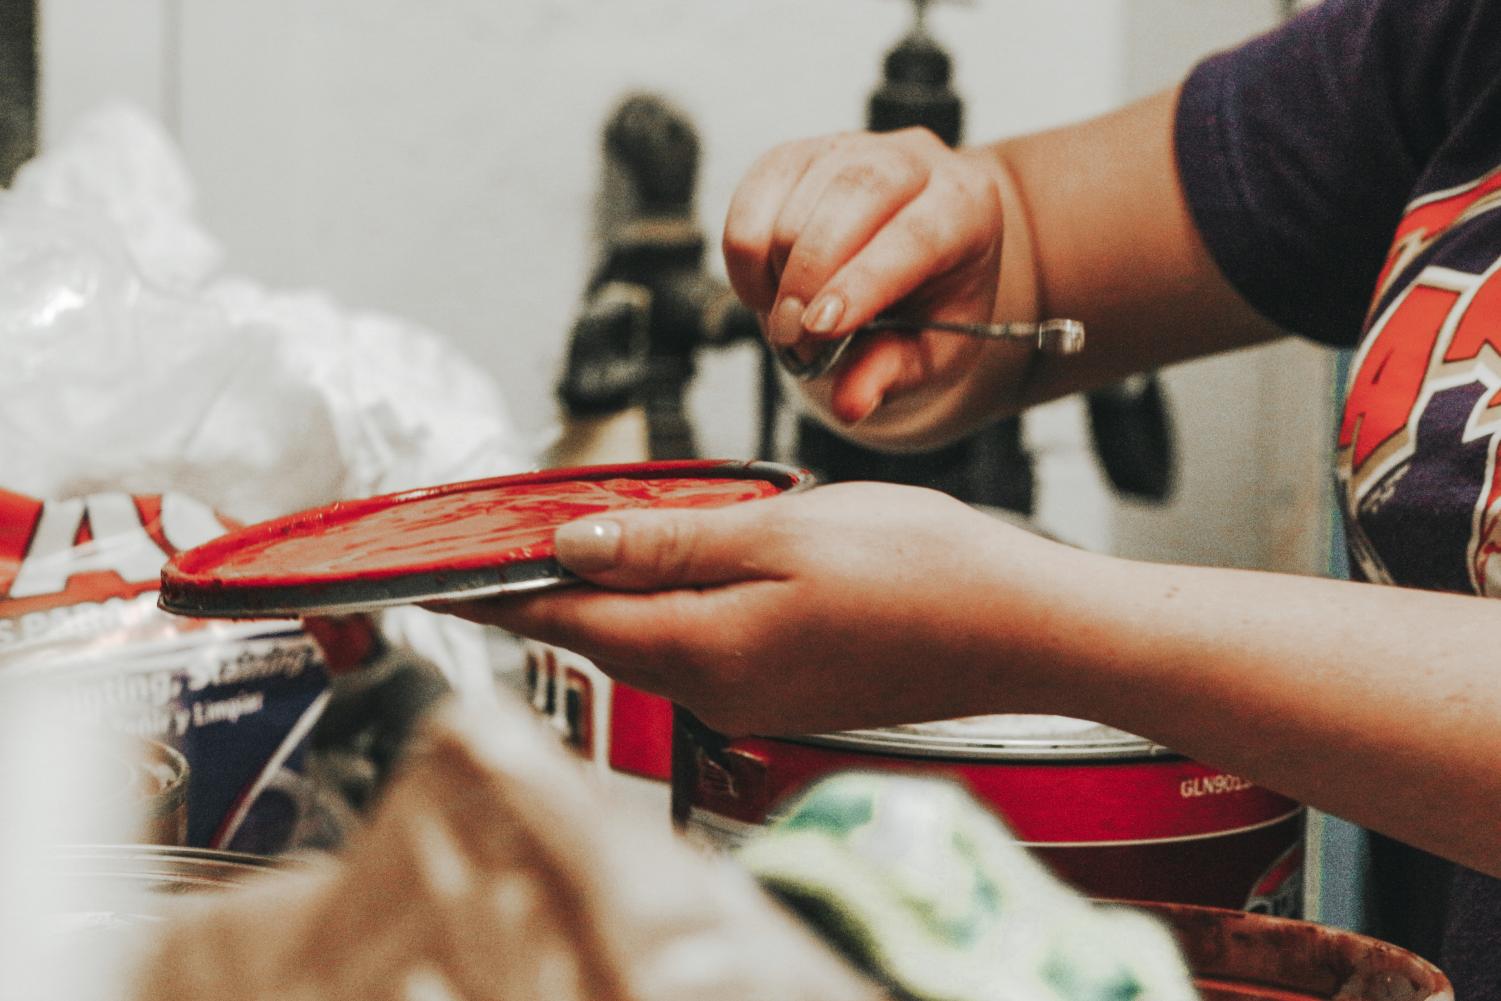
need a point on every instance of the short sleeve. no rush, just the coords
(1298, 150)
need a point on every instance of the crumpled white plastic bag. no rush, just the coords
(132, 364)
(120, 164)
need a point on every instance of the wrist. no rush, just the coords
(1018, 283)
(1061, 642)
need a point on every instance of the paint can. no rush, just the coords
(625, 732)
(1112, 814)
(1236, 956)
(227, 706)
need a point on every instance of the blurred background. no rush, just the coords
(442, 162)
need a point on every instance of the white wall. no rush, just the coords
(89, 51)
(1255, 426)
(439, 160)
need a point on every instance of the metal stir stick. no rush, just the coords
(1054, 337)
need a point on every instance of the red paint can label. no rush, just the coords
(621, 729)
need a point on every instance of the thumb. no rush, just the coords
(656, 550)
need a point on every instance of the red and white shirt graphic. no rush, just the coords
(1422, 417)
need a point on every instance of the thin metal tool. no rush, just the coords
(1054, 337)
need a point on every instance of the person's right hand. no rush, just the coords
(825, 234)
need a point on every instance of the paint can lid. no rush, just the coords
(445, 543)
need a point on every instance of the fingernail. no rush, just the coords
(786, 327)
(588, 546)
(823, 316)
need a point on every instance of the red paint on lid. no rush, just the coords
(483, 523)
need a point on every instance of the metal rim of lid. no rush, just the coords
(348, 597)
(362, 595)
(1107, 745)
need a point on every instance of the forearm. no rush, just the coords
(1377, 704)
(1113, 243)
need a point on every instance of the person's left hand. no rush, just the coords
(847, 606)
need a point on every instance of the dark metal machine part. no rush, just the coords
(18, 85)
(651, 304)
(379, 693)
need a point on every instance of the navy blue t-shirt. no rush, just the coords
(1345, 173)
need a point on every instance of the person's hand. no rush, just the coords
(850, 605)
(825, 234)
